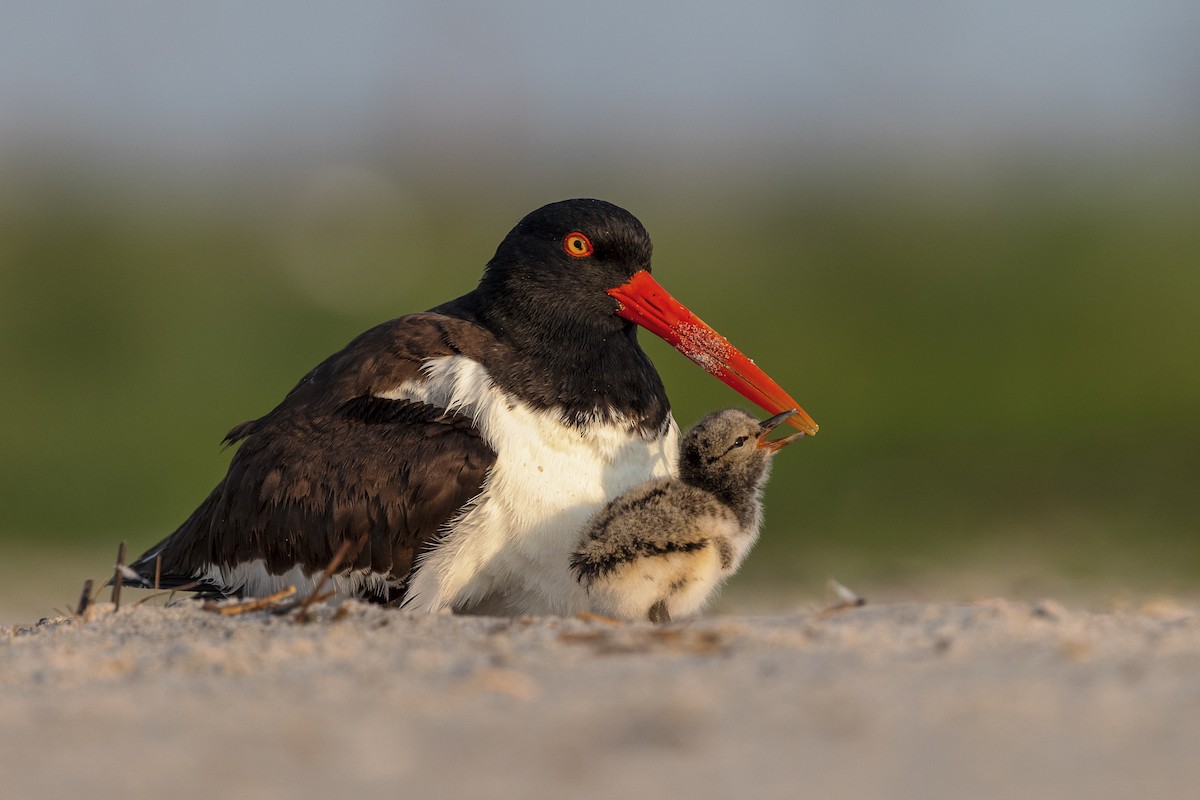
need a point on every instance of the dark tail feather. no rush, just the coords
(141, 575)
(161, 567)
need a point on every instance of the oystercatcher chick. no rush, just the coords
(460, 451)
(660, 550)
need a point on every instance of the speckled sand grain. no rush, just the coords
(982, 700)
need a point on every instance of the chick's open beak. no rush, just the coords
(768, 425)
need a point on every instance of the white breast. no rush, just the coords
(508, 551)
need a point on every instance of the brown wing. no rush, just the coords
(333, 462)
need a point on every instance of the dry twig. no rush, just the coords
(254, 603)
(118, 578)
(315, 595)
(85, 598)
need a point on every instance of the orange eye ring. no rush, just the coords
(578, 245)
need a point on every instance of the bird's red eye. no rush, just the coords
(577, 244)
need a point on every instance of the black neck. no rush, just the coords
(591, 372)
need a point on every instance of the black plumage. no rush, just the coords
(533, 382)
(333, 462)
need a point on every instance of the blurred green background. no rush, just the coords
(991, 309)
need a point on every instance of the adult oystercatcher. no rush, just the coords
(461, 450)
(660, 550)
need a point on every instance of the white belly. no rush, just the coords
(508, 551)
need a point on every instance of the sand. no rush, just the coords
(992, 699)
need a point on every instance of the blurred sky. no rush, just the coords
(192, 84)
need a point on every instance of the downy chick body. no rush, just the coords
(662, 549)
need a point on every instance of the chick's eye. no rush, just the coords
(741, 440)
(578, 245)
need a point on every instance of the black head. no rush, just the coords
(562, 258)
(565, 291)
(544, 296)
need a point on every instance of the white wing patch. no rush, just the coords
(253, 579)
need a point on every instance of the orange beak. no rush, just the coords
(644, 302)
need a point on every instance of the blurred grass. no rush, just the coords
(1005, 372)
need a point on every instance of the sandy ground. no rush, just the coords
(983, 700)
